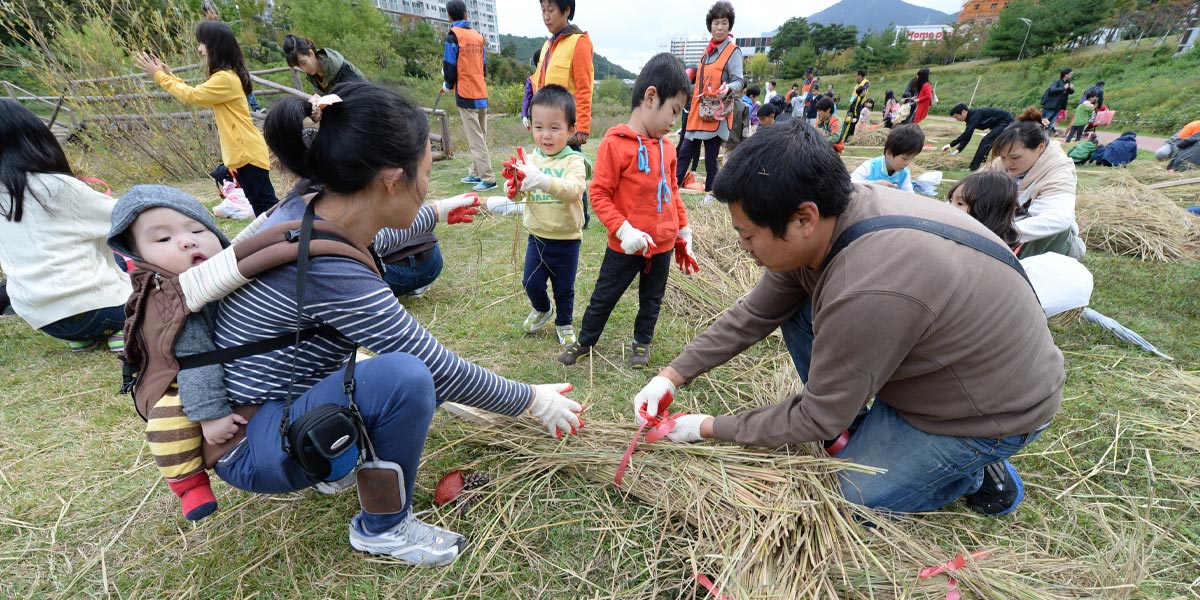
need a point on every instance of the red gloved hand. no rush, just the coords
(463, 214)
(513, 173)
(683, 252)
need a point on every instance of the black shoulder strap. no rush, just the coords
(950, 232)
(224, 355)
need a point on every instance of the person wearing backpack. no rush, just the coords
(369, 166)
(931, 359)
(1055, 99)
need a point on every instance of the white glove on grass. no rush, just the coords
(633, 240)
(558, 413)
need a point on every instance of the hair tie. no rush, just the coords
(320, 102)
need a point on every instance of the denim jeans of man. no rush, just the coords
(414, 272)
(91, 325)
(924, 471)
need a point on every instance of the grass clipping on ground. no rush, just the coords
(1123, 216)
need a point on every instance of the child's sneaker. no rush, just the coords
(484, 186)
(566, 334)
(471, 179)
(83, 346)
(537, 320)
(640, 357)
(195, 492)
(573, 353)
(116, 342)
(412, 542)
(1001, 492)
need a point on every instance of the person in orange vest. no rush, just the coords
(566, 60)
(718, 72)
(464, 64)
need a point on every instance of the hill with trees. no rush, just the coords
(877, 15)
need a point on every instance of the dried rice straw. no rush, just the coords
(867, 137)
(1127, 218)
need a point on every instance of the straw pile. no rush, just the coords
(726, 271)
(1125, 217)
(936, 160)
(868, 137)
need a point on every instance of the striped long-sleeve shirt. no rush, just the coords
(346, 295)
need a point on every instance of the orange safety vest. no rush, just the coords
(709, 75)
(471, 84)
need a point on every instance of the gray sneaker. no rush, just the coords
(566, 334)
(640, 357)
(537, 320)
(573, 353)
(412, 542)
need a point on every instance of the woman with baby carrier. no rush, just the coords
(368, 173)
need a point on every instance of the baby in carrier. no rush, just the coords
(168, 232)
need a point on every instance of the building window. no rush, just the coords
(977, 5)
(994, 5)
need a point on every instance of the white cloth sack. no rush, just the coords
(1061, 282)
(927, 183)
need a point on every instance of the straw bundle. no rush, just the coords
(934, 160)
(726, 271)
(868, 137)
(1124, 217)
(1067, 316)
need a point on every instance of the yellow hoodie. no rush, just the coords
(557, 214)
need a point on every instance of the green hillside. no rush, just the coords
(1152, 91)
(527, 46)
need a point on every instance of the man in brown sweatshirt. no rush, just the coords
(948, 339)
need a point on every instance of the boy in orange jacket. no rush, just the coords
(635, 194)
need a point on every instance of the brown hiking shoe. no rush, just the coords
(640, 358)
(573, 353)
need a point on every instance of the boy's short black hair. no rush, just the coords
(795, 86)
(1100, 83)
(1091, 94)
(862, 72)
(666, 74)
(753, 91)
(772, 82)
(555, 96)
(960, 107)
(456, 10)
(904, 140)
(766, 110)
(564, 6)
(719, 10)
(1065, 72)
(763, 176)
(825, 103)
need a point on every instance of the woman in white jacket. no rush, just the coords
(1045, 187)
(62, 278)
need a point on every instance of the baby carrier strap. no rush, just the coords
(278, 245)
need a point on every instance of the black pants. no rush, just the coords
(1076, 131)
(985, 146)
(690, 150)
(617, 271)
(256, 182)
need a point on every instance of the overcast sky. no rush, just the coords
(628, 32)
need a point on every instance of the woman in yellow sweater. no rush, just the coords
(243, 149)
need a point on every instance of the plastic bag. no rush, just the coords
(927, 183)
(1061, 282)
(235, 205)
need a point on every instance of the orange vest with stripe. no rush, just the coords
(471, 84)
(709, 75)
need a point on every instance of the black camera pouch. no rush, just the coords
(325, 442)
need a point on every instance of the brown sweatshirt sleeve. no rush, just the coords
(862, 337)
(774, 299)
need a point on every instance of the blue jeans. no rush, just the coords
(1051, 116)
(414, 272)
(91, 325)
(555, 261)
(395, 394)
(925, 471)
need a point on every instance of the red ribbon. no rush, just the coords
(958, 562)
(659, 426)
(703, 580)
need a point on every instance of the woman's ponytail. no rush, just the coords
(1031, 114)
(284, 132)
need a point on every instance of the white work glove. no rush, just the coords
(723, 91)
(633, 240)
(687, 429)
(946, 147)
(211, 280)
(504, 206)
(527, 123)
(953, 152)
(449, 209)
(652, 397)
(557, 412)
(535, 179)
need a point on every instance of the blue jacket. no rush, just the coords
(1118, 152)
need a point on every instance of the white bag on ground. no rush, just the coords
(927, 183)
(235, 205)
(1061, 282)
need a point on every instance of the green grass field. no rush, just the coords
(1112, 498)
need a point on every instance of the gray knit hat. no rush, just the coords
(141, 198)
